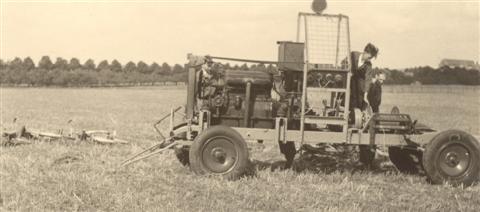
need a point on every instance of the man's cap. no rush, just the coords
(372, 49)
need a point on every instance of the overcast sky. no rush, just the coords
(408, 33)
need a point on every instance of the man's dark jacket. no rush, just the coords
(360, 81)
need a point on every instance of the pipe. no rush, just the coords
(254, 61)
(244, 60)
(190, 92)
(246, 116)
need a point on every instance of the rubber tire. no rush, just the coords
(242, 162)
(434, 149)
(367, 156)
(404, 161)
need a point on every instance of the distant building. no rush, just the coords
(453, 63)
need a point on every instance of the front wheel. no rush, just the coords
(219, 150)
(453, 157)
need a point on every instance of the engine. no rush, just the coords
(239, 98)
(251, 99)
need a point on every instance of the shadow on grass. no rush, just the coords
(343, 160)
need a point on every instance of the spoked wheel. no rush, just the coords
(219, 150)
(452, 157)
(408, 161)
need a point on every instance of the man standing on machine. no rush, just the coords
(359, 86)
(361, 76)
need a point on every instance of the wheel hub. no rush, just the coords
(454, 160)
(219, 154)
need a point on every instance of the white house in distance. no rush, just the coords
(454, 63)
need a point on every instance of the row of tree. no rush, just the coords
(71, 72)
(46, 63)
(430, 76)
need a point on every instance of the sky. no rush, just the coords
(408, 33)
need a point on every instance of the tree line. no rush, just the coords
(73, 73)
(427, 75)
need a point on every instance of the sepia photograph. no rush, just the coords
(240, 105)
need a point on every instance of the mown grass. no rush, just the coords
(55, 176)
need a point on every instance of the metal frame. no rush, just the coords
(387, 129)
(315, 137)
(349, 135)
(281, 133)
(307, 68)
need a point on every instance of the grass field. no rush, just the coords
(84, 177)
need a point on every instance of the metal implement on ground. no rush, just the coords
(24, 136)
(305, 101)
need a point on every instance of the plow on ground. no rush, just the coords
(23, 136)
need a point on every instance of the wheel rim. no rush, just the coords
(219, 154)
(454, 160)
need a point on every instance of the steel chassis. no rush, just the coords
(370, 133)
(349, 135)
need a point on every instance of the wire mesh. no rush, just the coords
(327, 40)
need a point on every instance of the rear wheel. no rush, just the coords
(219, 150)
(408, 161)
(453, 157)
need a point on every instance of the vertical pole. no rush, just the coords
(304, 82)
(338, 40)
(348, 44)
(298, 26)
(346, 113)
(191, 92)
(246, 117)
